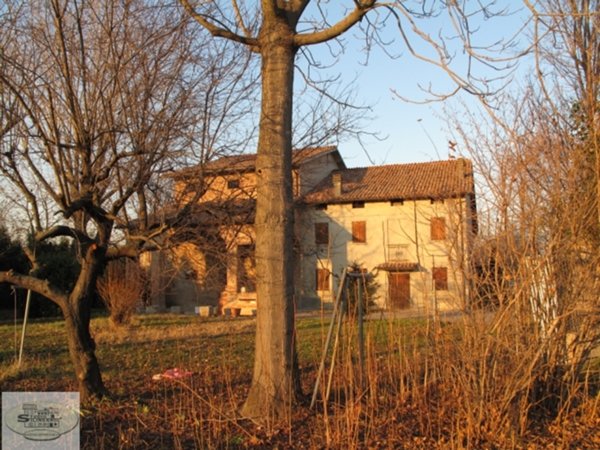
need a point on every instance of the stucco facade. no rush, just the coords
(410, 226)
(396, 238)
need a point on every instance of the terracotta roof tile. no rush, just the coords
(247, 162)
(439, 179)
(399, 266)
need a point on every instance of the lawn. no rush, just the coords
(392, 405)
(158, 414)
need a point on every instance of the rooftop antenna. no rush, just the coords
(452, 149)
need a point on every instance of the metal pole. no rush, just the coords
(24, 327)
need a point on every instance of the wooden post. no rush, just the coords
(361, 336)
(338, 332)
(336, 311)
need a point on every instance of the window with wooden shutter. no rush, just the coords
(440, 278)
(438, 228)
(322, 233)
(359, 231)
(322, 280)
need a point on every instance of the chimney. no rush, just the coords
(337, 183)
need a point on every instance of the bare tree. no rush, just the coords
(538, 161)
(567, 59)
(98, 103)
(277, 30)
(122, 289)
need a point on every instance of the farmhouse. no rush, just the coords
(410, 226)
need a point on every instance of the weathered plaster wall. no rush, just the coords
(393, 231)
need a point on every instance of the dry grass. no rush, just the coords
(426, 384)
(145, 331)
(13, 370)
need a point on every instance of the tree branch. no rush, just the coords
(216, 30)
(30, 254)
(318, 37)
(132, 250)
(293, 9)
(240, 19)
(62, 230)
(34, 284)
(86, 204)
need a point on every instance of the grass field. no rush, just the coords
(401, 402)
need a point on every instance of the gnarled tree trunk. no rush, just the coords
(77, 313)
(82, 349)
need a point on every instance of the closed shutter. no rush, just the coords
(359, 231)
(438, 228)
(322, 280)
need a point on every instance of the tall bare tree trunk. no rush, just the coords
(77, 312)
(275, 383)
(275, 380)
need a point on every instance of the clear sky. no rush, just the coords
(415, 133)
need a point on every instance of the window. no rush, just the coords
(438, 228)
(358, 204)
(440, 278)
(322, 279)
(322, 233)
(246, 268)
(397, 202)
(233, 184)
(359, 231)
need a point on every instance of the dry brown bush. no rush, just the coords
(121, 287)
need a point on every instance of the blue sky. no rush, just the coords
(415, 133)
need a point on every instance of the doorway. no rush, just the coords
(399, 290)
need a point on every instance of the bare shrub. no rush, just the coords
(122, 288)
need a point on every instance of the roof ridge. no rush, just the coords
(434, 179)
(294, 150)
(421, 163)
